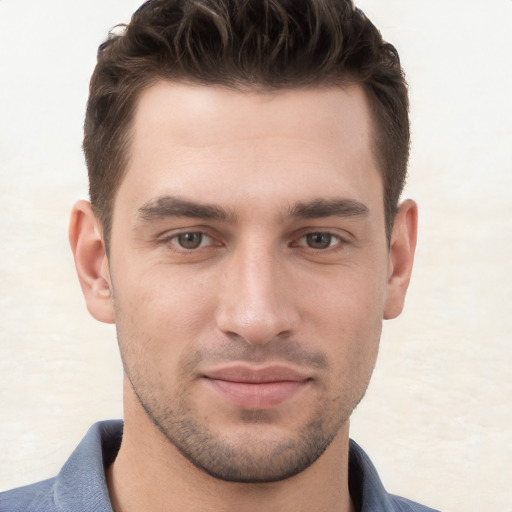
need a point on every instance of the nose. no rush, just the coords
(256, 299)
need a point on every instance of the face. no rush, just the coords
(249, 270)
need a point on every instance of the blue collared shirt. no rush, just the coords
(81, 484)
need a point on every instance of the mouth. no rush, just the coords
(256, 388)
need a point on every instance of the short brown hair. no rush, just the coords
(270, 44)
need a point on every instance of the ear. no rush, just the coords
(85, 237)
(401, 257)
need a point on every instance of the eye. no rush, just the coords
(320, 240)
(191, 240)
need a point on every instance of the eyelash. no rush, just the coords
(338, 244)
(173, 241)
(339, 241)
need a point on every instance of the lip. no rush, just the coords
(256, 388)
(256, 375)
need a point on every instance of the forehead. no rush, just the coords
(197, 116)
(287, 145)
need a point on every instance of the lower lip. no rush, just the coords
(256, 395)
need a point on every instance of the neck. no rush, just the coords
(150, 474)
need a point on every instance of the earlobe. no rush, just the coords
(401, 257)
(91, 261)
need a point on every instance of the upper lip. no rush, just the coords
(256, 375)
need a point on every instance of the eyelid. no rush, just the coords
(338, 240)
(343, 236)
(170, 238)
(171, 232)
(216, 240)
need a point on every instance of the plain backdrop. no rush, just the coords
(437, 418)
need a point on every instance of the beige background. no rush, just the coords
(437, 419)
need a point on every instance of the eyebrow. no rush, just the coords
(319, 208)
(172, 206)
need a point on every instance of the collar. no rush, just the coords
(81, 485)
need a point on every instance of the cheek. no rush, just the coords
(345, 315)
(351, 334)
(349, 299)
(163, 291)
(160, 312)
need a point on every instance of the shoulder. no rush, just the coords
(405, 505)
(80, 485)
(367, 490)
(38, 497)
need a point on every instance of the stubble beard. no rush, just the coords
(248, 459)
(249, 456)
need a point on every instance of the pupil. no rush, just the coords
(319, 240)
(190, 240)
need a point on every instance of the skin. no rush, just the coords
(248, 233)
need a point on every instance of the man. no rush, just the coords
(245, 163)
